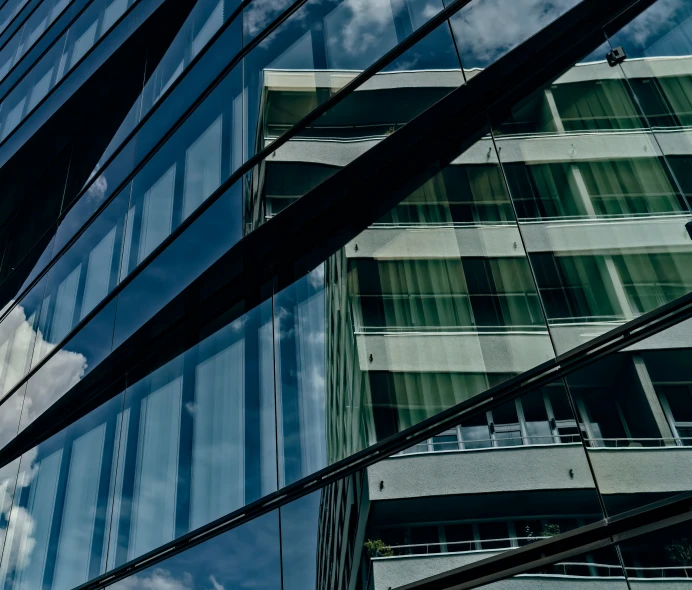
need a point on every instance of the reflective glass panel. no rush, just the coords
(248, 555)
(661, 557)
(57, 534)
(600, 211)
(18, 335)
(315, 52)
(9, 10)
(25, 38)
(68, 365)
(63, 55)
(188, 168)
(503, 478)
(485, 30)
(635, 407)
(407, 86)
(198, 438)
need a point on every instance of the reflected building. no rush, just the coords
(197, 393)
(572, 210)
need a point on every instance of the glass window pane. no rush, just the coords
(203, 165)
(299, 328)
(68, 365)
(198, 438)
(248, 554)
(510, 24)
(57, 532)
(187, 169)
(18, 335)
(634, 406)
(600, 211)
(320, 48)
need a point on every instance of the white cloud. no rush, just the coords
(64, 370)
(259, 13)
(159, 579)
(486, 29)
(216, 585)
(652, 23)
(363, 26)
(97, 189)
(316, 277)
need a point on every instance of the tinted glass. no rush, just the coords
(247, 555)
(198, 438)
(600, 211)
(635, 406)
(57, 535)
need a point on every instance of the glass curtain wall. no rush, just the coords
(597, 173)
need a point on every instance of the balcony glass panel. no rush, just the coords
(660, 557)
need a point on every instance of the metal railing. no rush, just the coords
(461, 546)
(490, 443)
(645, 442)
(578, 569)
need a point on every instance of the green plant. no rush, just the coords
(378, 548)
(549, 530)
(680, 552)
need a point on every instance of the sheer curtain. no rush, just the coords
(202, 167)
(678, 91)
(596, 107)
(218, 455)
(311, 380)
(26, 544)
(423, 294)
(421, 395)
(79, 511)
(629, 187)
(155, 486)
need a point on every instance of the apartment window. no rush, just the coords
(676, 401)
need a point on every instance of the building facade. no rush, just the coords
(348, 295)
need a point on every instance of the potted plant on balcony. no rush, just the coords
(679, 552)
(378, 548)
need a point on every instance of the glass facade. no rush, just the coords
(480, 379)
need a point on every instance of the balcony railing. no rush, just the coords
(630, 443)
(490, 443)
(462, 546)
(577, 569)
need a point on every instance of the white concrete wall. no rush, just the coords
(480, 472)
(638, 470)
(421, 243)
(583, 237)
(468, 352)
(391, 572)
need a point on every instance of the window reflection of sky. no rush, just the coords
(245, 557)
(664, 29)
